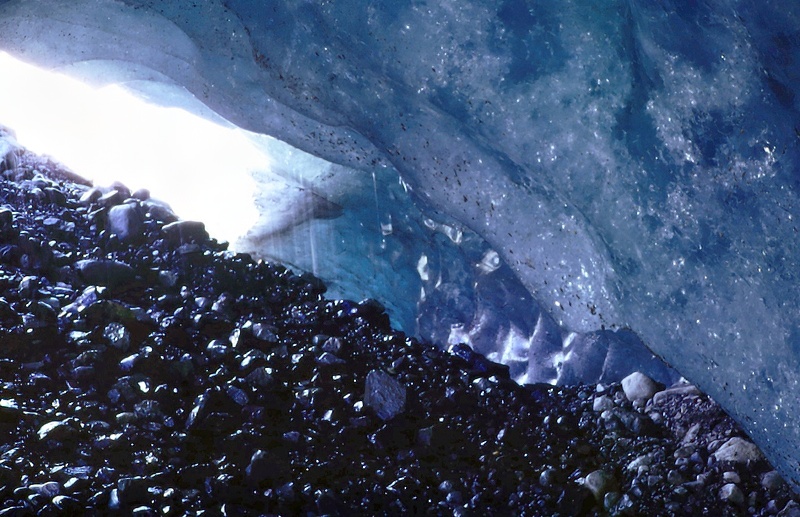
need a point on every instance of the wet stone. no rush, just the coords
(181, 232)
(638, 386)
(6, 218)
(111, 273)
(110, 198)
(772, 481)
(132, 490)
(384, 394)
(738, 450)
(117, 336)
(126, 221)
(732, 494)
(49, 489)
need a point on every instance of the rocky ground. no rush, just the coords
(145, 370)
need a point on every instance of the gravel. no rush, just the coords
(146, 370)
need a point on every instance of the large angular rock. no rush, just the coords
(384, 394)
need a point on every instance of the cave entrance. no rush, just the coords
(105, 134)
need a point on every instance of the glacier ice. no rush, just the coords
(632, 164)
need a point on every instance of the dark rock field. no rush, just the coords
(145, 370)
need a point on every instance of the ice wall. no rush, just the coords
(632, 162)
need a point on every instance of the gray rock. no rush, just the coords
(110, 198)
(264, 332)
(638, 386)
(48, 489)
(59, 430)
(259, 377)
(126, 220)
(680, 390)
(132, 490)
(738, 450)
(329, 359)
(602, 403)
(691, 434)
(332, 345)
(8, 152)
(90, 196)
(117, 336)
(110, 273)
(731, 477)
(181, 232)
(384, 394)
(792, 509)
(142, 194)
(599, 483)
(159, 211)
(732, 494)
(772, 481)
(641, 461)
(264, 467)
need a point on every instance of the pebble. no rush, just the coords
(126, 221)
(599, 482)
(772, 481)
(104, 272)
(602, 403)
(638, 386)
(182, 232)
(738, 450)
(732, 494)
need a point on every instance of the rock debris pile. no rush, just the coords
(146, 370)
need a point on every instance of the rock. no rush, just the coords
(681, 390)
(265, 467)
(641, 461)
(792, 509)
(332, 345)
(141, 194)
(263, 332)
(384, 394)
(738, 450)
(117, 336)
(772, 481)
(90, 196)
(599, 482)
(181, 232)
(6, 219)
(731, 477)
(602, 403)
(67, 505)
(159, 211)
(126, 221)
(110, 198)
(132, 490)
(8, 152)
(58, 430)
(732, 494)
(329, 359)
(105, 272)
(49, 489)
(638, 386)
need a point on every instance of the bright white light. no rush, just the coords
(108, 134)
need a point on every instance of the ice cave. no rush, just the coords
(555, 184)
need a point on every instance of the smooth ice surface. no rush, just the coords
(631, 162)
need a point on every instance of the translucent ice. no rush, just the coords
(632, 163)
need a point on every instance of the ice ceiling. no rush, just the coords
(630, 163)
